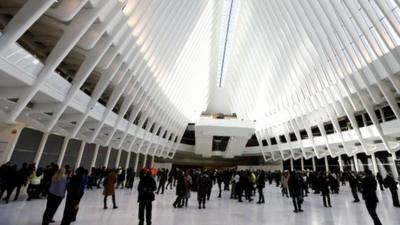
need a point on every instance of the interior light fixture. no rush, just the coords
(228, 25)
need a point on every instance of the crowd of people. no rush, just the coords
(55, 183)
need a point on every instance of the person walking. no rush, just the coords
(369, 195)
(163, 180)
(261, 186)
(146, 188)
(55, 195)
(180, 190)
(109, 187)
(390, 183)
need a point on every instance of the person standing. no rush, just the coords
(34, 184)
(390, 183)
(170, 178)
(146, 188)
(369, 195)
(109, 188)
(22, 178)
(10, 182)
(353, 182)
(187, 183)
(284, 184)
(324, 185)
(130, 178)
(234, 181)
(55, 195)
(202, 189)
(261, 186)
(295, 184)
(74, 195)
(219, 177)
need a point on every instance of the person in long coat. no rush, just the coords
(202, 189)
(324, 184)
(261, 186)
(369, 195)
(146, 187)
(295, 191)
(390, 183)
(109, 187)
(180, 190)
(353, 182)
(74, 194)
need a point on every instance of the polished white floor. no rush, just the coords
(276, 211)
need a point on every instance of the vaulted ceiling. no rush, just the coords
(144, 69)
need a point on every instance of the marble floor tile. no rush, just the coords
(276, 211)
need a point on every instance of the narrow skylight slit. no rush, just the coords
(228, 24)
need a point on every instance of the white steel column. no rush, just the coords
(314, 167)
(152, 161)
(340, 163)
(107, 156)
(118, 158)
(136, 163)
(62, 152)
(144, 161)
(79, 159)
(128, 159)
(374, 166)
(356, 163)
(96, 152)
(326, 163)
(39, 152)
(302, 163)
(291, 164)
(395, 173)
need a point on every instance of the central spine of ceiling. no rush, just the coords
(225, 42)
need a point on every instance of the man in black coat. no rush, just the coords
(180, 190)
(163, 180)
(369, 195)
(295, 184)
(219, 177)
(146, 188)
(202, 189)
(261, 186)
(353, 181)
(390, 183)
(74, 195)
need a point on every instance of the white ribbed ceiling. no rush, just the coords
(292, 66)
